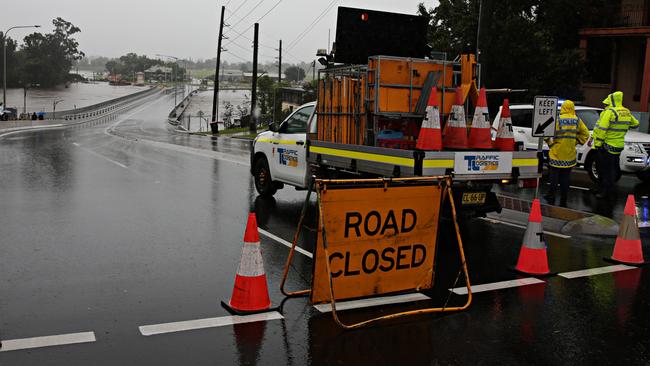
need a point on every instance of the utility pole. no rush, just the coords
(253, 122)
(215, 97)
(280, 63)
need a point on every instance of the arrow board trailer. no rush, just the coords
(544, 116)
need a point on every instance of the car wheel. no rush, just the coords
(644, 176)
(263, 181)
(590, 167)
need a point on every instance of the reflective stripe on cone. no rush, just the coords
(505, 139)
(430, 136)
(628, 248)
(250, 293)
(533, 258)
(479, 133)
(455, 133)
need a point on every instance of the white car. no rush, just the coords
(635, 157)
(279, 156)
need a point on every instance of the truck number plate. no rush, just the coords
(473, 198)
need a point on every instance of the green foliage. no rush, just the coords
(43, 59)
(294, 73)
(530, 44)
(131, 63)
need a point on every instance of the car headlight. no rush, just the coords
(634, 147)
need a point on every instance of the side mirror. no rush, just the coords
(274, 127)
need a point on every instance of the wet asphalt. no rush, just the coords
(122, 222)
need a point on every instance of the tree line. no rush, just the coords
(43, 59)
(531, 44)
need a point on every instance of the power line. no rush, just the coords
(249, 13)
(239, 7)
(311, 25)
(257, 21)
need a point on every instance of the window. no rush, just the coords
(297, 123)
(522, 117)
(589, 117)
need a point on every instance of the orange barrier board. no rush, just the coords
(379, 240)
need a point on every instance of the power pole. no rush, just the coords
(280, 63)
(253, 122)
(215, 97)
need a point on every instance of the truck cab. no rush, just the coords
(279, 156)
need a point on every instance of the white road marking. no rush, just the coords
(574, 187)
(595, 271)
(497, 285)
(100, 156)
(495, 221)
(32, 129)
(47, 341)
(377, 301)
(284, 242)
(148, 330)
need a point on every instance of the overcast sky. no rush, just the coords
(189, 29)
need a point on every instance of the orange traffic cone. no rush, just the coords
(250, 294)
(532, 256)
(479, 133)
(455, 134)
(505, 140)
(430, 137)
(627, 249)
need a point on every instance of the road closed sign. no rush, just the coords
(544, 116)
(380, 240)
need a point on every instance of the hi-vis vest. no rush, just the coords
(569, 131)
(613, 124)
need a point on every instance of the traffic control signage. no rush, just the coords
(545, 116)
(379, 240)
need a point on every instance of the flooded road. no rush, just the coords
(77, 94)
(121, 224)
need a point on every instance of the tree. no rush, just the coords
(529, 44)
(46, 59)
(294, 73)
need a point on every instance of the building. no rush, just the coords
(618, 55)
(291, 98)
(160, 73)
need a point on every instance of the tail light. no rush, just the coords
(528, 183)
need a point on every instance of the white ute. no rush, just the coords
(279, 156)
(635, 158)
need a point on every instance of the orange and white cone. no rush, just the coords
(430, 137)
(251, 293)
(479, 134)
(455, 134)
(533, 258)
(628, 249)
(505, 140)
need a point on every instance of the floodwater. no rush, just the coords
(202, 102)
(77, 94)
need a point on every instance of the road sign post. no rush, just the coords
(544, 117)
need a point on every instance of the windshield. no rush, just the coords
(589, 117)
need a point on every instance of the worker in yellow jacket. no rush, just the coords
(609, 140)
(569, 131)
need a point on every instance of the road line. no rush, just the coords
(32, 128)
(595, 271)
(182, 326)
(574, 187)
(100, 156)
(47, 341)
(366, 303)
(284, 242)
(497, 285)
(495, 221)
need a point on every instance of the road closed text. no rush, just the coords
(372, 224)
(378, 240)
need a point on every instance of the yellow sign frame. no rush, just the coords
(323, 289)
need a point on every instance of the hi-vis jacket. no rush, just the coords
(613, 123)
(569, 131)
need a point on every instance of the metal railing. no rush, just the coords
(99, 108)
